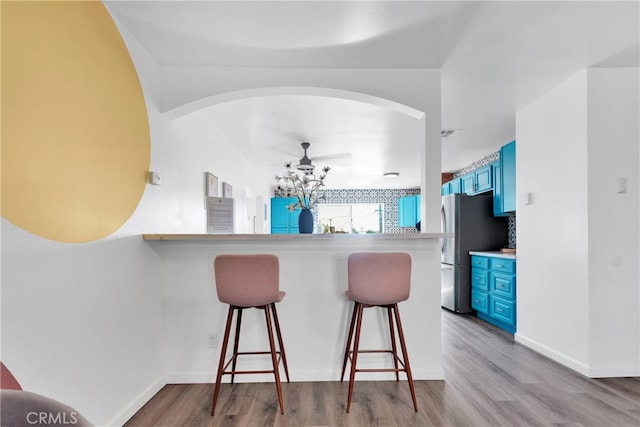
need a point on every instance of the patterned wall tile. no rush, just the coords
(512, 231)
(388, 198)
(493, 157)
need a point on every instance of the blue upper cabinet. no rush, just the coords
(508, 156)
(505, 187)
(478, 181)
(484, 179)
(497, 189)
(452, 187)
(467, 183)
(282, 220)
(408, 211)
(455, 186)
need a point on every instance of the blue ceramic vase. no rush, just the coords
(305, 221)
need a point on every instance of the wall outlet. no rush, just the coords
(212, 340)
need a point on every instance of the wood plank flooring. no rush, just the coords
(489, 381)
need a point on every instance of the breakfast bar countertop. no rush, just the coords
(290, 237)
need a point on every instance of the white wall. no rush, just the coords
(614, 284)
(551, 159)
(578, 241)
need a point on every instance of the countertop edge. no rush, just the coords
(291, 237)
(494, 254)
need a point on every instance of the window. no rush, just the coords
(359, 218)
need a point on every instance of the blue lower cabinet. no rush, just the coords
(480, 301)
(504, 311)
(493, 290)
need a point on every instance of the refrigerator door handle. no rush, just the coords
(446, 267)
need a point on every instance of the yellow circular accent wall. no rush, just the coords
(75, 131)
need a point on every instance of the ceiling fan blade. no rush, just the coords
(332, 157)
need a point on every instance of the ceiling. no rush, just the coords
(495, 58)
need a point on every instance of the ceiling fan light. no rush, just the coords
(391, 174)
(305, 167)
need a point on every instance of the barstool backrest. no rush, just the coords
(247, 280)
(379, 278)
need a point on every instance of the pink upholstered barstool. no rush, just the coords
(378, 280)
(249, 281)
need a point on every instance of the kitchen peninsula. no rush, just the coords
(314, 315)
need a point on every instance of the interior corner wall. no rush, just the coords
(614, 135)
(553, 238)
(83, 323)
(578, 239)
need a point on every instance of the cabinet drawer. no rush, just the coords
(503, 264)
(479, 261)
(480, 301)
(504, 285)
(480, 279)
(503, 310)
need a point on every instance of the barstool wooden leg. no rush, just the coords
(280, 342)
(354, 358)
(274, 358)
(223, 352)
(236, 341)
(349, 337)
(405, 356)
(394, 348)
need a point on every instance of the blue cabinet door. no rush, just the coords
(497, 190)
(408, 211)
(483, 179)
(283, 221)
(455, 186)
(508, 159)
(467, 183)
(504, 193)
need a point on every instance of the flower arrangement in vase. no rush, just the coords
(305, 189)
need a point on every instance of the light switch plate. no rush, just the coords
(154, 178)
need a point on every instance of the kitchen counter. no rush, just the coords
(296, 237)
(314, 315)
(495, 254)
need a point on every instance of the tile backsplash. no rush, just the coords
(388, 197)
(512, 231)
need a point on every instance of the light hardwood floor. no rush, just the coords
(489, 381)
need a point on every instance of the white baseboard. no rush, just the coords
(586, 370)
(129, 411)
(552, 354)
(614, 372)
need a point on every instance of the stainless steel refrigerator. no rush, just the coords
(471, 220)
